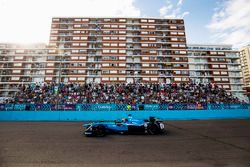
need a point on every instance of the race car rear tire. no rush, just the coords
(99, 131)
(153, 129)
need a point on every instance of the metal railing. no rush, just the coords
(119, 107)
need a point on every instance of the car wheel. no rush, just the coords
(99, 131)
(152, 129)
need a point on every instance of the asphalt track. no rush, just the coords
(217, 143)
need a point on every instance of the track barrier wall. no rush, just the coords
(94, 112)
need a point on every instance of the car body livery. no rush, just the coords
(128, 125)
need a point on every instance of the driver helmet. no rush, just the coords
(124, 120)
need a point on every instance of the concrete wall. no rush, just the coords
(112, 115)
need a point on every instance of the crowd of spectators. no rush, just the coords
(123, 93)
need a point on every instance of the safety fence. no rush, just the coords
(119, 107)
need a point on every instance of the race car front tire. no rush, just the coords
(99, 131)
(153, 129)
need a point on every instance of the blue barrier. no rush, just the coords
(118, 107)
(87, 112)
(112, 115)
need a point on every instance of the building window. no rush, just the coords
(122, 38)
(15, 78)
(173, 27)
(77, 25)
(122, 58)
(74, 51)
(81, 79)
(122, 79)
(106, 44)
(82, 58)
(74, 58)
(81, 71)
(114, 44)
(122, 51)
(122, 32)
(105, 72)
(105, 51)
(16, 71)
(177, 79)
(17, 64)
(106, 38)
(114, 26)
(114, 38)
(75, 44)
(105, 79)
(76, 38)
(216, 72)
(217, 79)
(122, 64)
(77, 20)
(105, 65)
(224, 79)
(122, 26)
(85, 20)
(174, 39)
(113, 71)
(122, 20)
(122, 44)
(113, 51)
(83, 44)
(144, 20)
(215, 66)
(50, 64)
(18, 57)
(56, 19)
(177, 72)
(144, 45)
(173, 33)
(72, 78)
(54, 31)
(106, 20)
(185, 79)
(84, 38)
(49, 71)
(221, 53)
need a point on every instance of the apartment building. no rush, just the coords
(113, 50)
(245, 67)
(219, 64)
(21, 64)
(117, 50)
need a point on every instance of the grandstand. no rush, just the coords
(124, 93)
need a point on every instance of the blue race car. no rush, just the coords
(128, 125)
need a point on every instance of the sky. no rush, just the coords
(206, 21)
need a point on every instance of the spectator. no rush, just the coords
(123, 93)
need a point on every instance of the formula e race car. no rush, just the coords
(128, 125)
